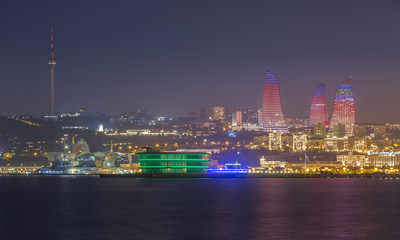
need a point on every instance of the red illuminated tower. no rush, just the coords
(52, 65)
(272, 115)
(343, 107)
(319, 108)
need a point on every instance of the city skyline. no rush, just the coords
(114, 67)
(217, 119)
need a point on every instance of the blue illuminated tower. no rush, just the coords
(343, 108)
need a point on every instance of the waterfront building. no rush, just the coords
(173, 162)
(275, 141)
(85, 160)
(343, 107)
(300, 142)
(265, 162)
(352, 159)
(384, 159)
(229, 168)
(272, 115)
(319, 108)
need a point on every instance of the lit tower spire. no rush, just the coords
(52, 65)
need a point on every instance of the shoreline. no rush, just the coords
(250, 175)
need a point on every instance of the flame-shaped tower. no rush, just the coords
(52, 65)
(272, 115)
(343, 107)
(319, 109)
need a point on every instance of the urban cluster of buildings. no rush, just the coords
(218, 128)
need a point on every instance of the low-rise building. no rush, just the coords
(352, 159)
(384, 159)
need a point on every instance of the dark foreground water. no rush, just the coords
(94, 208)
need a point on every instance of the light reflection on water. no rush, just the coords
(94, 208)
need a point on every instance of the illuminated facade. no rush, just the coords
(217, 113)
(319, 108)
(384, 159)
(229, 168)
(237, 119)
(343, 108)
(335, 144)
(272, 115)
(275, 140)
(352, 160)
(300, 142)
(173, 162)
(266, 163)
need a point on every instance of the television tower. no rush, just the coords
(52, 65)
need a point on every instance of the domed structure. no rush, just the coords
(81, 147)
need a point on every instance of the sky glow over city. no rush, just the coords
(175, 57)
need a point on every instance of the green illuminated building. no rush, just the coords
(173, 162)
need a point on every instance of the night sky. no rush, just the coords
(174, 57)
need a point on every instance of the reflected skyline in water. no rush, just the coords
(94, 208)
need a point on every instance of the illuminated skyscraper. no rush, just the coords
(52, 65)
(272, 116)
(319, 109)
(237, 118)
(343, 108)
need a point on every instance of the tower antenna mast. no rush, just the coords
(52, 65)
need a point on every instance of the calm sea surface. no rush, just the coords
(94, 208)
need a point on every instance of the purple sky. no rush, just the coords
(173, 57)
